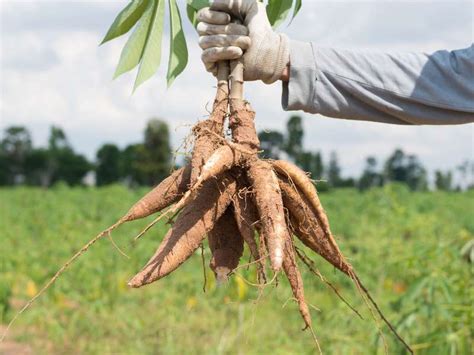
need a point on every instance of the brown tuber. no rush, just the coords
(226, 244)
(229, 194)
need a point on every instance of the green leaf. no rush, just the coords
(191, 12)
(126, 19)
(133, 50)
(277, 11)
(192, 7)
(297, 8)
(178, 50)
(151, 55)
(198, 4)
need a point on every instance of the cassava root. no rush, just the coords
(230, 195)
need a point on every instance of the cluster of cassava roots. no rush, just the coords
(233, 197)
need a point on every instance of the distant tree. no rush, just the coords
(334, 170)
(407, 169)
(294, 136)
(312, 163)
(150, 162)
(57, 139)
(416, 174)
(63, 164)
(271, 144)
(346, 182)
(57, 142)
(370, 177)
(108, 168)
(157, 162)
(4, 170)
(37, 168)
(72, 167)
(444, 181)
(466, 172)
(131, 157)
(395, 167)
(14, 148)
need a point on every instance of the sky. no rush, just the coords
(52, 71)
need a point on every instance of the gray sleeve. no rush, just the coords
(401, 88)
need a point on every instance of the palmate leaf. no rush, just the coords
(143, 47)
(191, 12)
(198, 4)
(178, 49)
(277, 11)
(126, 19)
(133, 49)
(151, 54)
(192, 7)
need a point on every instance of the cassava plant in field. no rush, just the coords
(226, 192)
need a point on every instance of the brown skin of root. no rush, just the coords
(205, 142)
(270, 209)
(226, 244)
(246, 217)
(195, 220)
(305, 227)
(296, 282)
(223, 159)
(204, 145)
(163, 195)
(241, 123)
(299, 178)
(263, 180)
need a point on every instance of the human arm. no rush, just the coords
(400, 88)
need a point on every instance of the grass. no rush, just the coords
(406, 247)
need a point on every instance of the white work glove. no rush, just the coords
(265, 53)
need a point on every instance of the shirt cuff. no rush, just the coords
(298, 92)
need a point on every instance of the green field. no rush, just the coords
(405, 246)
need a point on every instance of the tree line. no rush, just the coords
(144, 163)
(399, 167)
(150, 161)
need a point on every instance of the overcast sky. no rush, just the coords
(53, 72)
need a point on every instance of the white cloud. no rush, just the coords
(53, 72)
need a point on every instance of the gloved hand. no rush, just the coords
(265, 53)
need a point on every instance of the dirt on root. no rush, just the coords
(270, 209)
(195, 220)
(164, 194)
(226, 242)
(304, 225)
(241, 123)
(205, 143)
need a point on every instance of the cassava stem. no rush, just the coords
(236, 80)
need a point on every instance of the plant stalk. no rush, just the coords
(222, 83)
(223, 76)
(236, 80)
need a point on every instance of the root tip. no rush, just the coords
(277, 263)
(222, 275)
(134, 283)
